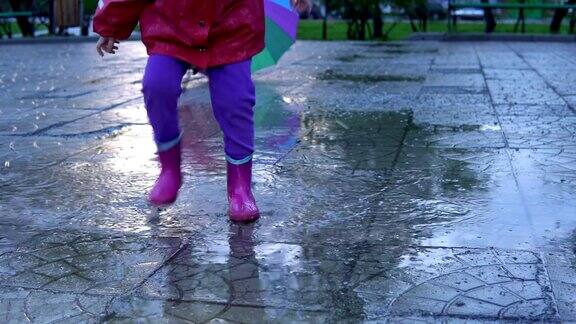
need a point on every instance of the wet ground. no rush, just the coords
(401, 181)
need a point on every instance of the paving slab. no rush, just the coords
(399, 182)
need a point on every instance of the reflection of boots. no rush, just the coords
(242, 206)
(166, 187)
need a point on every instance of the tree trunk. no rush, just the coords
(362, 31)
(364, 16)
(559, 15)
(378, 22)
(352, 15)
(489, 19)
(422, 14)
(325, 20)
(352, 32)
(412, 24)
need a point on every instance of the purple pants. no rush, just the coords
(233, 98)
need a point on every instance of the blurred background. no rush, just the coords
(332, 19)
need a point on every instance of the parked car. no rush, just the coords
(469, 14)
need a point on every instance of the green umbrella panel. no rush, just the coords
(277, 43)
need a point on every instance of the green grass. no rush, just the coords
(312, 29)
(16, 29)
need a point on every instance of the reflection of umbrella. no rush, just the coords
(281, 27)
(279, 122)
(197, 123)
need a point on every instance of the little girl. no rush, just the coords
(217, 37)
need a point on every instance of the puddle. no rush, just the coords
(350, 58)
(397, 48)
(383, 44)
(365, 213)
(331, 75)
(408, 51)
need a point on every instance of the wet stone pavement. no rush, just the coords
(398, 182)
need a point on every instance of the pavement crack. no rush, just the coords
(42, 131)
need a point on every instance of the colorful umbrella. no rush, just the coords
(281, 27)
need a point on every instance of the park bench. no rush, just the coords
(6, 23)
(40, 10)
(454, 5)
(43, 12)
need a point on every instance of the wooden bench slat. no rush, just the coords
(521, 20)
(511, 5)
(16, 14)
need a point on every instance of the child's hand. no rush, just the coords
(302, 6)
(106, 44)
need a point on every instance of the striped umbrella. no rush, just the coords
(281, 28)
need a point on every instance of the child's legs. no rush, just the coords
(233, 99)
(162, 88)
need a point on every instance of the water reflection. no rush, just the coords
(200, 147)
(279, 125)
(345, 196)
(333, 205)
(244, 272)
(203, 282)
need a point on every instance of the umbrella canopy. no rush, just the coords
(283, 3)
(281, 28)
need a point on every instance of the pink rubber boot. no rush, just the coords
(166, 188)
(241, 203)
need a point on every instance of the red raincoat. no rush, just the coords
(204, 33)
